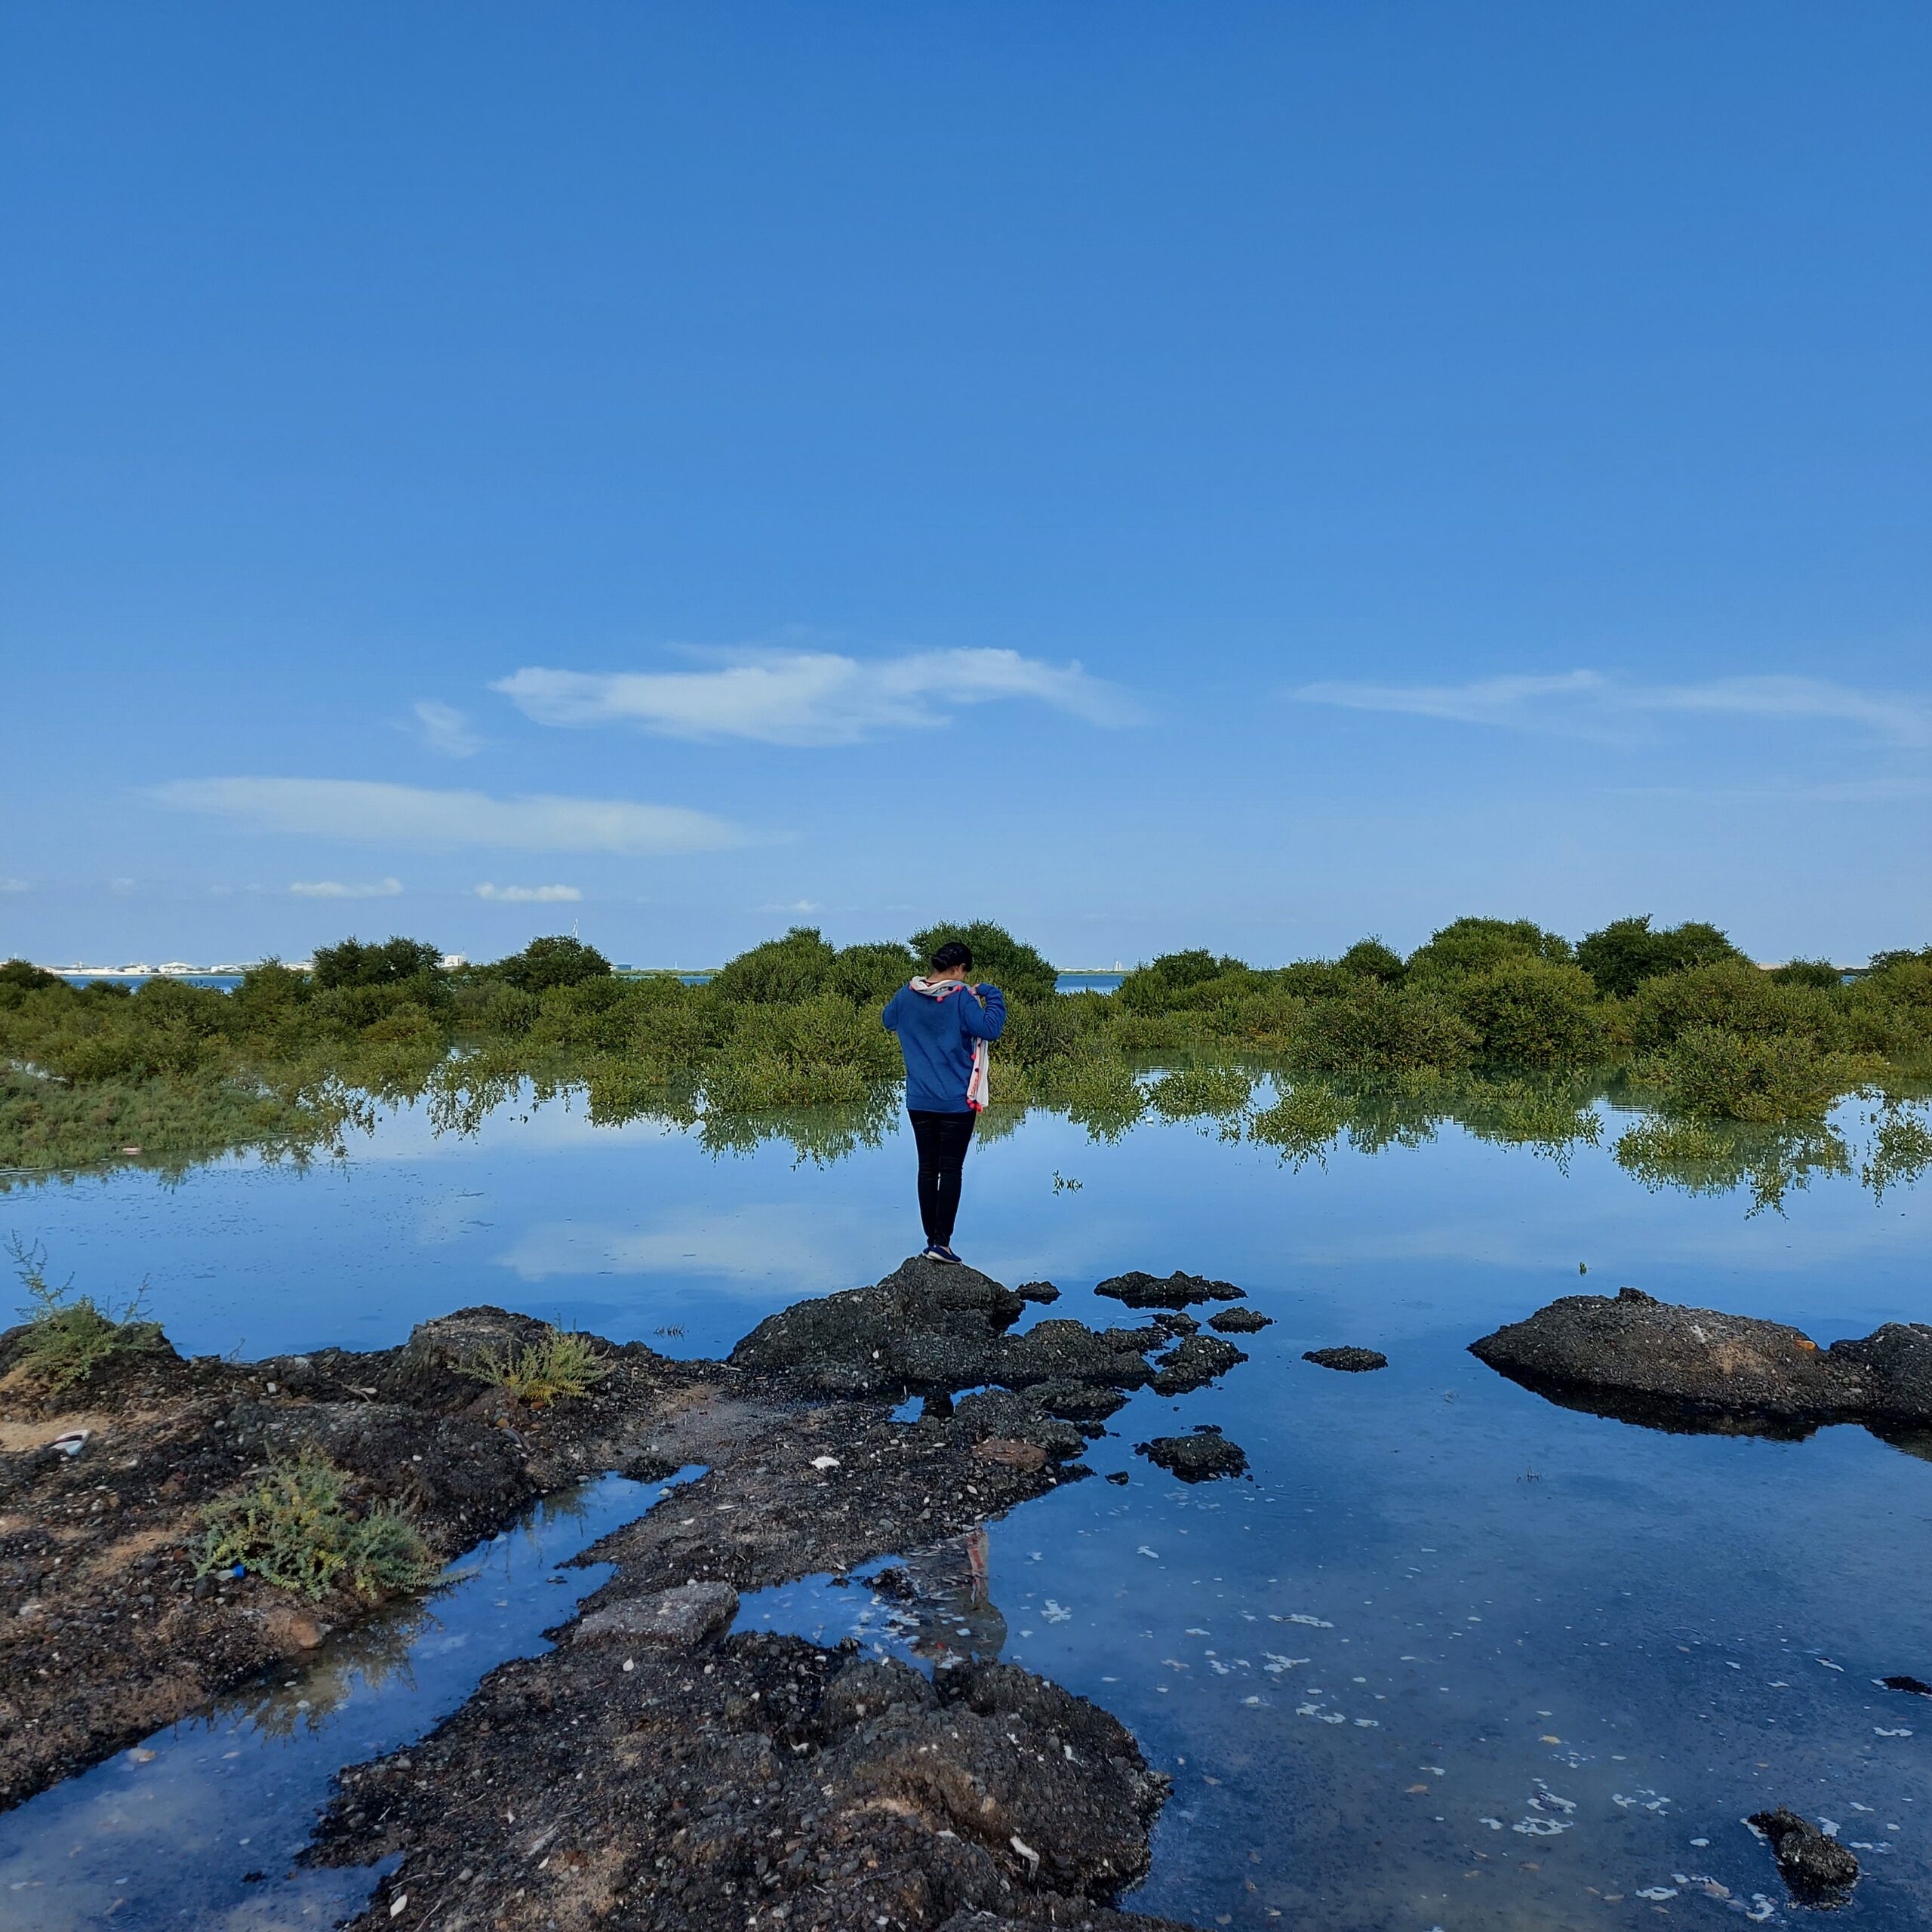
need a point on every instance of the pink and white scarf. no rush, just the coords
(978, 1087)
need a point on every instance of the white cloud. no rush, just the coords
(809, 697)
(1589, 702)
(444, 729)
(530, 895)
(333, 888)
(351, 809)
(13, 885)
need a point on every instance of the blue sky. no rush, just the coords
(1245, 476)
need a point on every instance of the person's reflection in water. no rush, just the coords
(945, 1597)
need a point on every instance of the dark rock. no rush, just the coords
(1177, 1324)
(1817, 1868)
(1077, 1401)
(1194, 1363)
(1240, 1322)
(1916, 1685)
(1636, 1356)
(1139, 1289)
(927, 1326)
(1063, 1352)
(1353, 1362)
(685, 1618)
(427, 1371)
(1007, 1415)
(1200, 1457)
(1117, 1476)
(1039, 1291)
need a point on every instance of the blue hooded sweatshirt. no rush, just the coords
(937, 1037)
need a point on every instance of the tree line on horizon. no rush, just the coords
(1678, 1014)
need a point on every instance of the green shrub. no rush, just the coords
(1370, 959)
(296, 1527)
(355, 962)
(492, 1009)
(1474, 945)
(69, 1336)
(560, 960)
(1807, 973)
(1890, 1012)
(1763, 1077)
(1737, 996)
(779, 971)
(1376, 1029)
(871, 974)
(1622, 955)
(1017, 969)
(22, 975)
(557, 1366)
(1531, 1012)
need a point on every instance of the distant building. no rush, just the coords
(455, 962)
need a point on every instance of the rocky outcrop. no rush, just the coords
(929, 1328)
(1193, 1364)
(1240, 1322)
(1199, 1458)
(1139, 1290)
(1818, 1868)
(1631, 1354)
(1350, 1361)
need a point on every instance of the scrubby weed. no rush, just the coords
(68, 1335)
(1375, 1029)
(295, 1527)
(557, 1366)
(1198, 1092)
(1302, 1123)
(1714, 1157)
(1765, 1078)
(1901, 1149)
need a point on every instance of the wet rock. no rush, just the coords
(1351, 1361)
(1916, 1685)
(426, 1372)
(1637, 1356)
(1063, 1352)
(1177, 1325)
(1194, 1363)
(1077, 1401)
(831, 1789)
(1139, 1290)
(685, 1618)
(927, 1326)
(1011, 1453)
(1199, 1458)
(1816, 1868)
(1011, 1415)
(1240, 1322)
(931, 1328)
(1037, 1291)
(1119, 1476)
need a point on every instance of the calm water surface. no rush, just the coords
(1454, 1657)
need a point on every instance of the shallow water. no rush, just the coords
(1453, 1656)
(199, 1824)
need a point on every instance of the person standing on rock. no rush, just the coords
(944, 1027)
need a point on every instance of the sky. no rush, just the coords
(1246, 476)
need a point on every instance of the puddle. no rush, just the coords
(199, 1825)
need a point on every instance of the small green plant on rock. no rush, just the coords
(68, 1335)
(557, 1364)
(295, 1527)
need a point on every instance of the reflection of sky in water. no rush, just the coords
(1551, 1652)
(172, 1838)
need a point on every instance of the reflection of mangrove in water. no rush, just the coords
(941, 1595)
(1302, 1118)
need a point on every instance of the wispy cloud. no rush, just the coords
(335, 888)
(530, 895)
(1589, 702)
(811, 697)
(444, 729)
(354, 810)
(13, 885)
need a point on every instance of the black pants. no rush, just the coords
(943, 1140)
